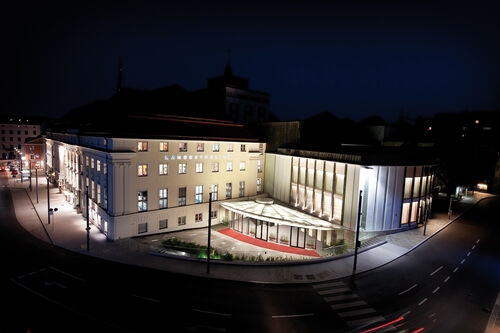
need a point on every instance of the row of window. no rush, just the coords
(142, 169)
(183, 147)
(181, 220)
(142, 196)
(18, 132)
(95, 163)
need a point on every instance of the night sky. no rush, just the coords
(352, 58)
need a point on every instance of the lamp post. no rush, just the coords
(36, 183)
(29, 161)
(87, 210)
(209, 230)
(356, 245)
(48, 198)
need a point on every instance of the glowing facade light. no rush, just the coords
(482, 186)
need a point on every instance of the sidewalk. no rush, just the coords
(68, 231)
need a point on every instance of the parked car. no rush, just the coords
(13, 172)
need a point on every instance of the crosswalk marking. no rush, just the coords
(328, 285)
(365, 321)
(347, 305)
(356, 312)
(333, 291)
(340, 297)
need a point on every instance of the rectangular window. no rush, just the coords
(181, 220)
(105, 168)
(163, 146)
(142, 146)
(98, 166)
(215, 166)
(105, 205)
(230, 147)
(199, 167)
(242, 166)
(259, 165)
(198, 217)
(163, 224)
(98, 194)
(215, 192)
(242, 189)
(182, 196)
(200, 147)
(243, 148)
(142, 228)
(229, 190)
(142, 201)
(92, 163)
(163, 169)
(163, 198)
(92, 190)
(229, 166)
(86, 183)
(214, 214)
(215, 147)
(259, 185)
(182, 168)
(142, 170)
(198, 194)
(183, 147)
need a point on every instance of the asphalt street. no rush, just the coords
(447, 284)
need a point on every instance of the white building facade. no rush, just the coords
(146, 186)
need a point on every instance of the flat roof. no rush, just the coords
(276, 213)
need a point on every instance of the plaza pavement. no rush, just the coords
(67, 230)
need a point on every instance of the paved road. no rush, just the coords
(52, 290)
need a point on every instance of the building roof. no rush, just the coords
(266, 210)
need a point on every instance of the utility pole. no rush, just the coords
(209, 229)
(29, 161)
(48, 198)
(36, 184)
(356, 245)
(87, 208)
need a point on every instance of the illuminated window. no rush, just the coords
(105, 168)
(199, 167)
(142, 170)
(86, 161)
(182, 168)
(142, 146)
(183, 147)
(92, 163)
(98, 194)
(98, 166)
(242, 166)
(215, 147)
(163, 146)
(163, 169)
(142, 201)
(163, 198)
(229, 147)
(198, 198)
(92, 190)
(200, 147)
(214, 189)
(259, 165)
(229, 166)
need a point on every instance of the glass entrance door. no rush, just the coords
(297, 237)
(262, 230)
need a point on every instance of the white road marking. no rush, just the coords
(407, 290)
(208, 328)
(468, 254)
(356, 312)
(327, 285)
(60, 285)
(365, 321)
(147, 298)
(474, 247)
(422, 301)
(32, 273)
(294, 315)
(67, 274)
(347, 305)
(463, 260)
(477, 241)
(21, 277)
(340, 297)
(437, 270)
(406, 313)
(435, 290)
(447, 278)
(333, 291)
(213, 313)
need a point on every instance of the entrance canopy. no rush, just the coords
(267, 210)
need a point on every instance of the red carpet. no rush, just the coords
(267, 245)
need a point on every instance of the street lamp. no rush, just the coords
(209, 230)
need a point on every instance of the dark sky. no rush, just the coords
(353, 58)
